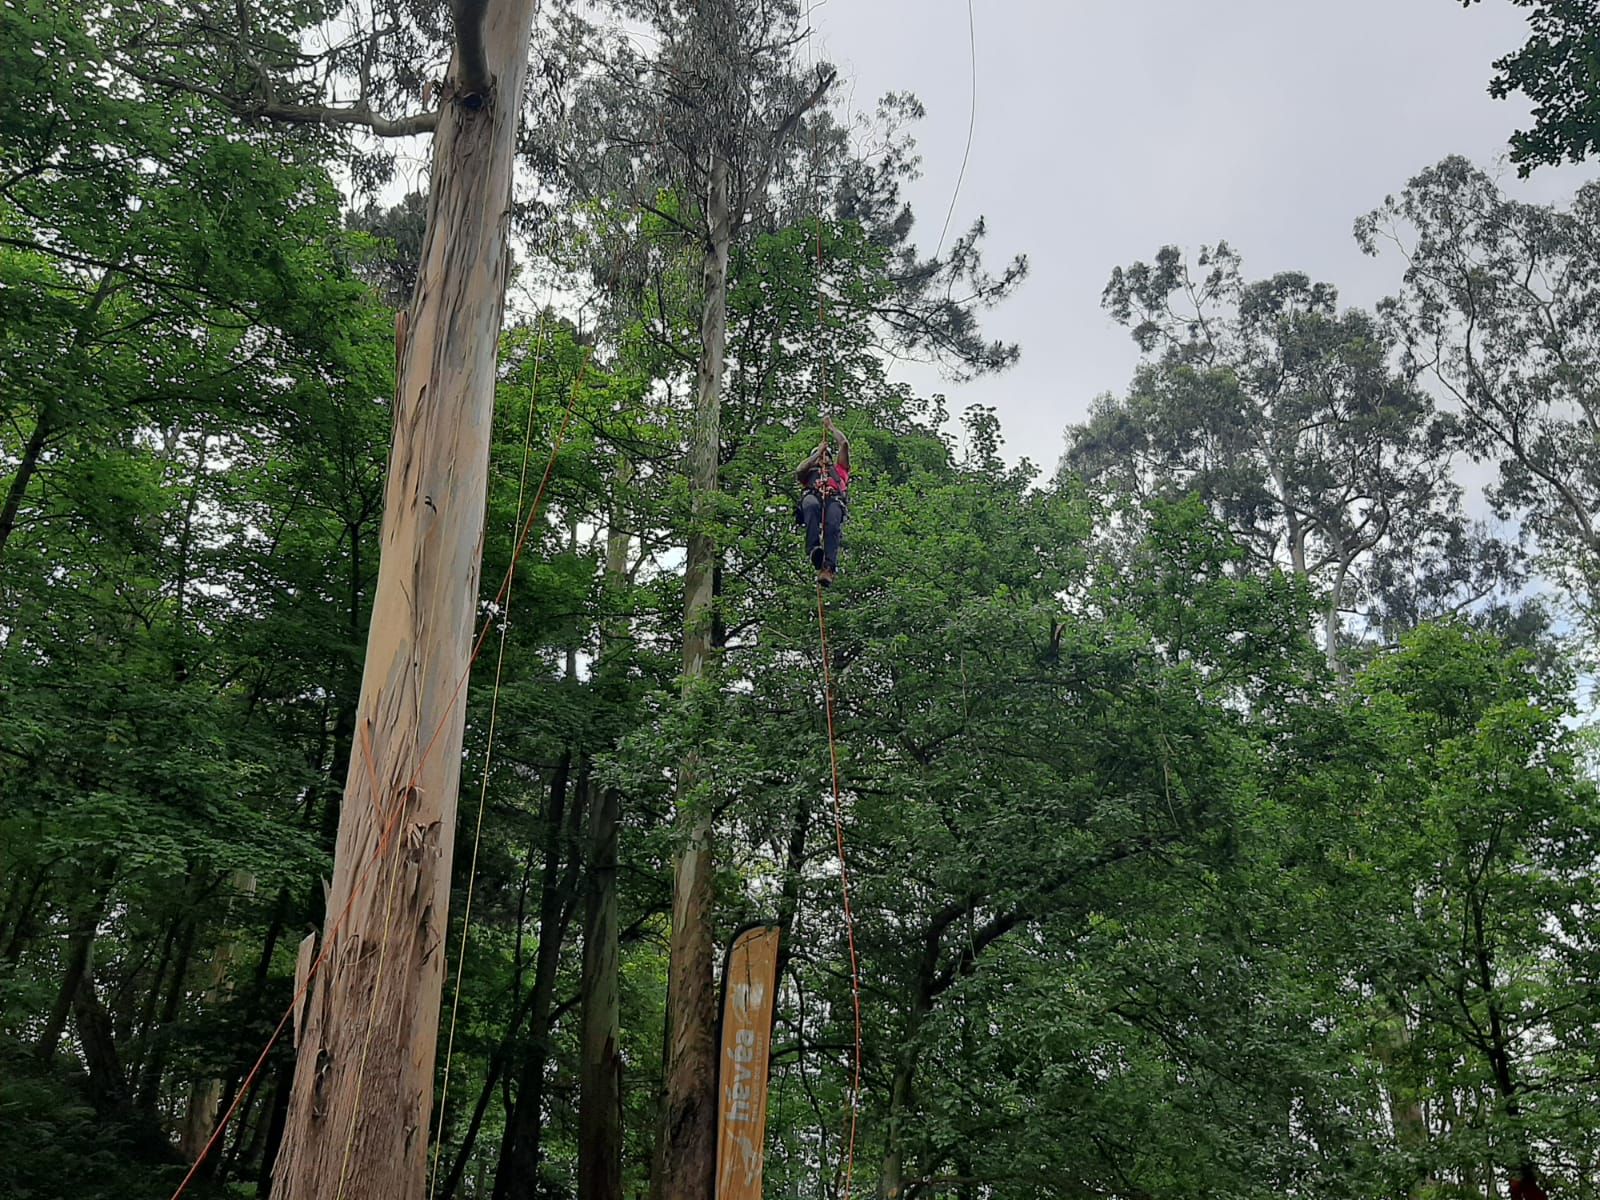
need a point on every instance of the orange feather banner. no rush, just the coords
(749, 984)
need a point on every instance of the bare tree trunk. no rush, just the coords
(600, 1071)
(201, 1112)
(517, 1173)
(688, 1163)
(80, 946)
(359, 1111)
(600, 1059)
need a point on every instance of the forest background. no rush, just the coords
(1219, 801)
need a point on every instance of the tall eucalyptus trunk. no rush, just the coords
(359, 1110)
(600, 1060)
(688, 1160)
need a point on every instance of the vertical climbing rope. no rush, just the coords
(844, 887)
(488, 755)
(827, 684)
(972, 124)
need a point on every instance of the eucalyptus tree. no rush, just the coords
(731, 97)
(1554, 71)
(355, 1111)
(1286, 415)
(1497, 309)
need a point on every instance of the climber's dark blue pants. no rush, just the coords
(822, 526)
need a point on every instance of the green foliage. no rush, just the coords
(1558, 70)
(1288, 417)
(1152, 901)
(1497, 309)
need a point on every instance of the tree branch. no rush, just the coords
(472, 61)
(781, 135)
(357, 115)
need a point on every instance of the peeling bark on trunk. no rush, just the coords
(359, 1111)
(688, 1160)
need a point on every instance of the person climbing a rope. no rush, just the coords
(824, 479)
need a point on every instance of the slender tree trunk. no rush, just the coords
(688, 1161)
(44, 426)
(891, 1180)
(19, 482)
(1391, 1046)
(201, 1112)
(794, 861)
(363, 1091)
(16, 903)
(498, 1060)
(275, 1124)
(154, 1065)
(108, 1084)
(458, 1166)
(22, 904)
(600, 1070)
(147, 1024)
(1525, 1182)
(501, 1058)
(517, 1175)
(600, 1064)
(1330, 620)
(80, 945)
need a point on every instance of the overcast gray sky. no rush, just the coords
(1108, 128)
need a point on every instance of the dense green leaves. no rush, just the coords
(1155, 896)
(1558, 69)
